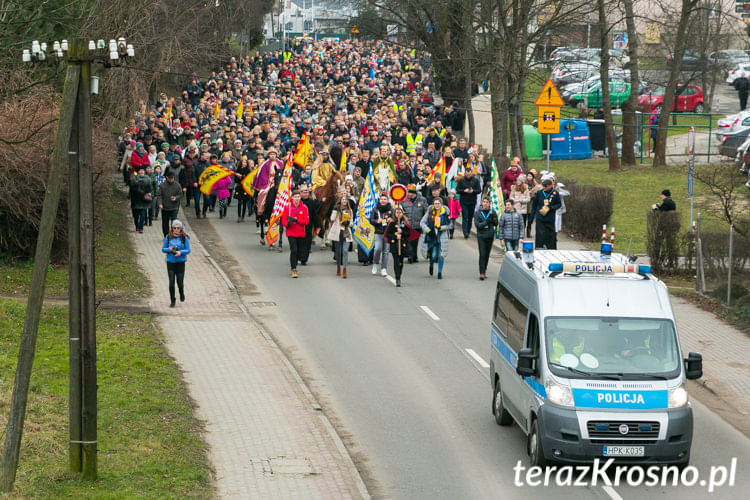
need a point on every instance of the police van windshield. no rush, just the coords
(622, 348)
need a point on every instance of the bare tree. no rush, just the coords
(630, 105)
(609, 131)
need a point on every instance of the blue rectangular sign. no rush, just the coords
(620, 399)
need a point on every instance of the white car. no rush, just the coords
(738, 71)
(563, 69)
(732, 123)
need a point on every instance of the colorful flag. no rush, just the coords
(168, 114)
(439, 169)
(451, 175)
(247, 182)
(495, 194)
(211, 176)
(342, 165)
(282, 201)
(294, 79)
(302, 154)
(250, 109)
(217, 108)
(364, 232)
(240, 109)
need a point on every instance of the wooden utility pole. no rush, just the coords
(74, 304)
(88, 285)
(14, 430)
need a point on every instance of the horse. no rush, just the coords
(325, 197)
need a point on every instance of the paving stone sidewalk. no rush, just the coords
(266, 437)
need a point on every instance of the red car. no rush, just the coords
(690, 99)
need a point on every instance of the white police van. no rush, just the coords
(585, 358)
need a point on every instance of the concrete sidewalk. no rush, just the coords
(725, 350)
(268, 437)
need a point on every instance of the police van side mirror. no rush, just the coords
(693, 366)
(526, 362)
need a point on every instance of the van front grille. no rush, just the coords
(635, 430)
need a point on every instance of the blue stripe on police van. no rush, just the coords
(512, 358)
(631, 400)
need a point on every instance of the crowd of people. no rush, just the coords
(368, 111)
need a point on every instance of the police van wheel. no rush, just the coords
(502, 417)
(534, 445)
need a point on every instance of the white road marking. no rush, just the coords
(611, 492)
(477, 358)
(390, 278)
(429, 313)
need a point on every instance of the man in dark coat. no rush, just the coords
(468, 188)
(667, 203)
(742, 85)
(543, 208)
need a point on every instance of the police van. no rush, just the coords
(585, 358)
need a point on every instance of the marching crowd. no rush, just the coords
(341, 140)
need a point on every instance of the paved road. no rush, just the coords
(412, 404)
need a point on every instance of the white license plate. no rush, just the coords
(623, 451)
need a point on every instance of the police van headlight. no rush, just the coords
(558, 394)
(678, 396)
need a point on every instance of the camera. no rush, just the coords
(173, 250)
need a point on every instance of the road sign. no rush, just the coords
(549, 120)
(549, 96)
(355, 30)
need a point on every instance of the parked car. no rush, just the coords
(728, 59)
(738, 71)
(616, 57)
(732, 140)
(732, 123)
(688, 98)
(561, 70)
(591, 96)
(690, 60)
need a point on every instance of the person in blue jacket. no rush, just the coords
(176, 246)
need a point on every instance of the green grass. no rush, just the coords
(149, 442)
(117, 275)
(635, 189)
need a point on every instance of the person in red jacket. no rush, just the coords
(139, 159)
(294, 218)
(510, 176)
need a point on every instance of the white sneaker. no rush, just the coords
(374, 269)
(384, 272)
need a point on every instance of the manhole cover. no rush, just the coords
(285, 465)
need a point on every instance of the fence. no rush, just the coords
(703, 123)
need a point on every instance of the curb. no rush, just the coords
(314, 404)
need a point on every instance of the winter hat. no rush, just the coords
(667, 193)
(177, 222)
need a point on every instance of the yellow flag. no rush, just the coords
(247, 182)
(240, 109)
(342, 165)
(439, 169)
(302, 154)
(251, 109)
(168, 114)
(211, 176)
(217, 108)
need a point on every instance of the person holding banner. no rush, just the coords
(294, 218)
(379, 218)
(435, 224)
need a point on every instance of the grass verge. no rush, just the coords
(149, 442)
(117, 275)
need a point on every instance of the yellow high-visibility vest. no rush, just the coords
(411, 142)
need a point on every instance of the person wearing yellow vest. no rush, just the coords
(287, 56)
(565, 343)
(411, 141)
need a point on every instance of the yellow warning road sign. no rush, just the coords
(549, 96)
(549, 120)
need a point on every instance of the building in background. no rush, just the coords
(314, 18)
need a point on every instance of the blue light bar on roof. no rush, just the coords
(597, 268)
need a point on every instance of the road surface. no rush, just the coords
(402, 372)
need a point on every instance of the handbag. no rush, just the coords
(147, 197)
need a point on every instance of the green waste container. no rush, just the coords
(533, 140)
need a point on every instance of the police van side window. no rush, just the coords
(510, 316)
(532, 335)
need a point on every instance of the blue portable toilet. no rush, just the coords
(573, 142)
